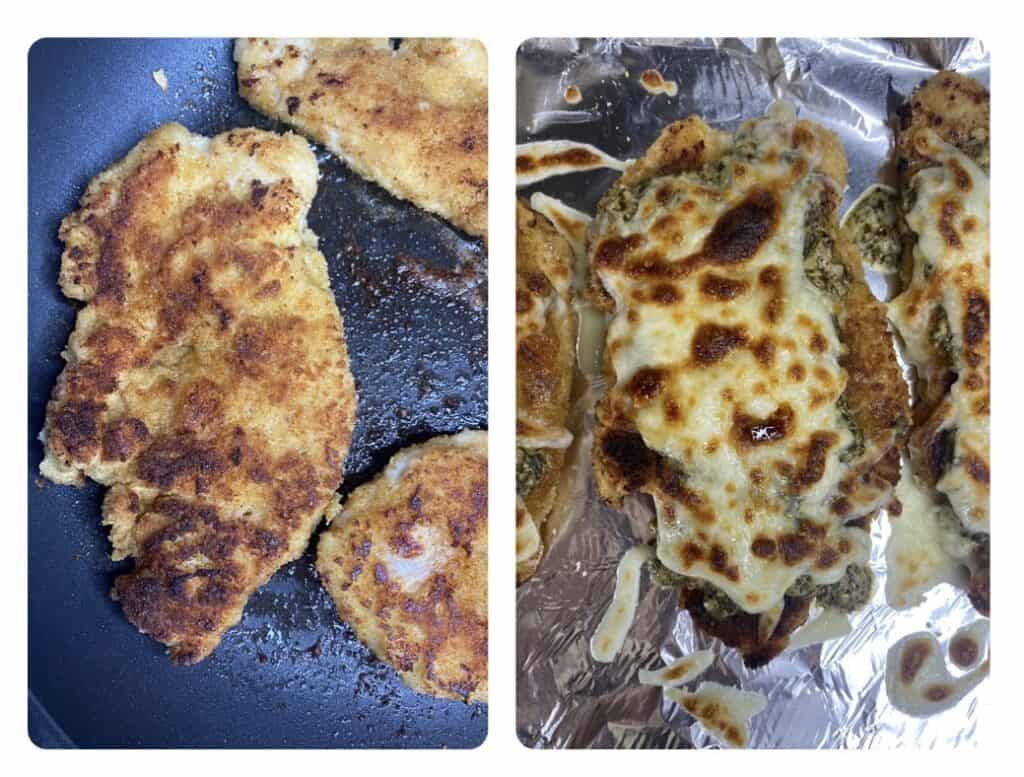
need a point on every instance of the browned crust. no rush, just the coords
(544, 359)
(740, 631)
(207, 379)
(876, 392)
(412, 120)
(954, 106)
(434, 632)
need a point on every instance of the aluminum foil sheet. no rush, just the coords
(823, 696)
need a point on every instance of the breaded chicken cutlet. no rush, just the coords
(406, 564)
(942, 314)
(413, 119)
(754, 389)
(545, 355)
(207, 382)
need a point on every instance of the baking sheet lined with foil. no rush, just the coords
(830, 695)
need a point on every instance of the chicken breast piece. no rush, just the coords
(754, 390)
(412, 119)
(406, 565)
(207, 381)
(545, 355)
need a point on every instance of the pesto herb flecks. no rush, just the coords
(874, 227)
(851, 592)
(530, 467)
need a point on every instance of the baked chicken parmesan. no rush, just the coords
(754, 392)
(545, 354)
(409, 114)
(207, 383)
(942, 315)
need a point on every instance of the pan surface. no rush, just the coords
(413, 293)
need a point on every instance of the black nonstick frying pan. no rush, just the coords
(412, 291)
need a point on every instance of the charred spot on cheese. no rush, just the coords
(647, 383)
(748, 430)
(634, 461)
(741, 231)
(813, 466)
(976, 317)
(612, 252)
(665, 294)
(721, 288)
(572, 157)
(713, 342)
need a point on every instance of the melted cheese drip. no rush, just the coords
(975, 636)
(920, 554)
(723, 711)
(618, 618)
(645, 334)
(654, 83)
(918, 681)
(830, 624)
(571, 223)
(527, 534)
(547, 158)
(558, 438)
(679, 672)
(943, 273)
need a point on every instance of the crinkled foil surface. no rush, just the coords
(824, 696)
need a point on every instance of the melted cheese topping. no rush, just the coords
(728, 364)
(571, 223)
(830, 624)
(920, 553)
(918, 681)
(618, 618)
(723, 711)
(546, 158)
(950, 217)
(679, 672)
